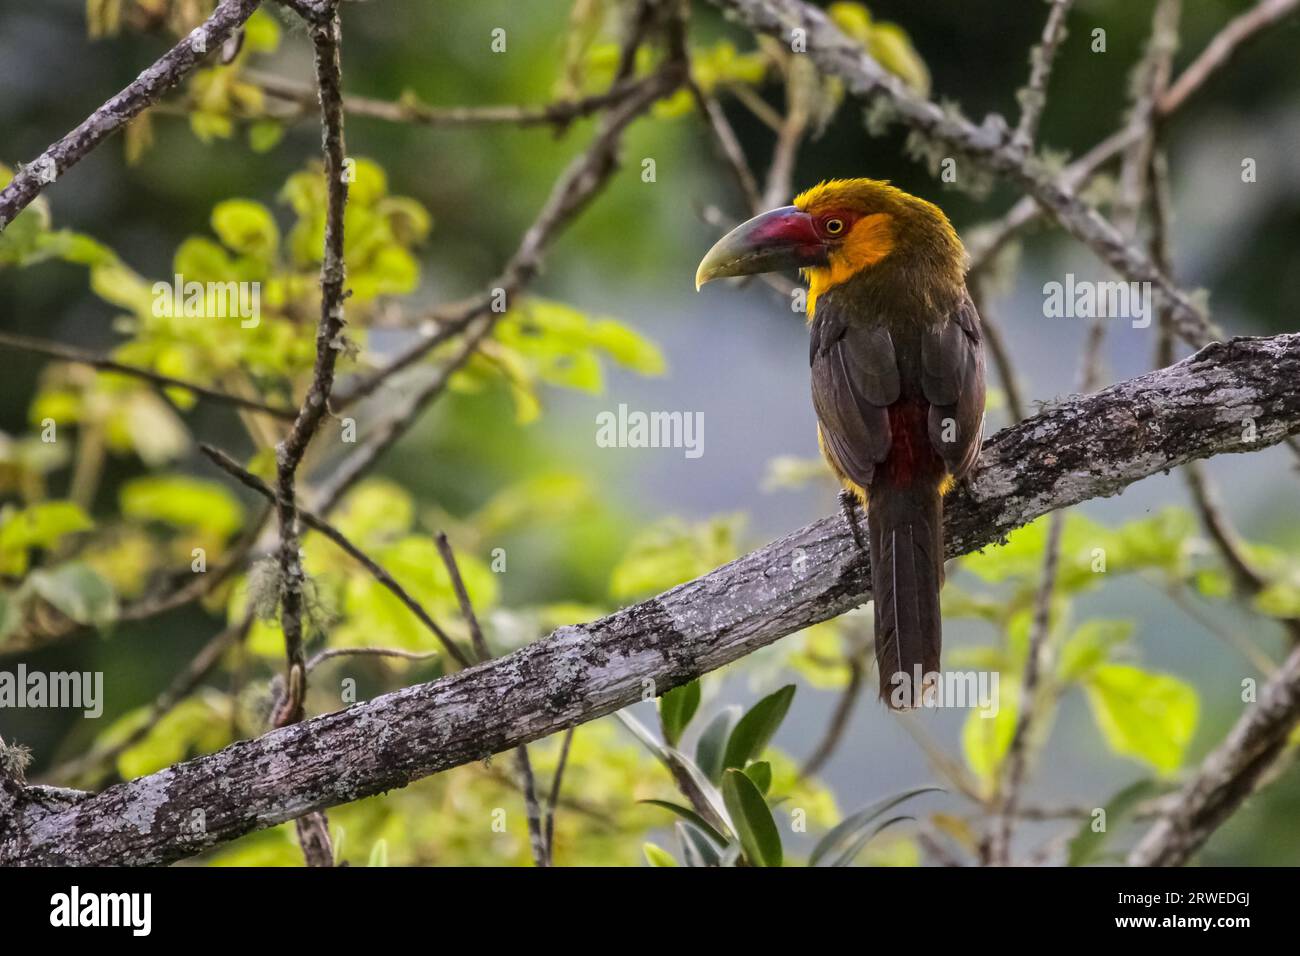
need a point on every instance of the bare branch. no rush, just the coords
(317, 523)
(536, 836)
(1033, 98)
(67, 353)
(729, 148)
(142, 92)
(329, 342)
(332, 652)
(553, 802)
(559, 115)
(181, 687)
(1222, 48)
(1229, 775)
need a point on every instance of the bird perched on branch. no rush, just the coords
(897, 384)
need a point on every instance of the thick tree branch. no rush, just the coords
(1228, 775)
(145, 90)
(1228, 398)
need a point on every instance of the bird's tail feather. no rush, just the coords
(906, 531)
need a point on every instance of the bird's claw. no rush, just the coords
(849, 505)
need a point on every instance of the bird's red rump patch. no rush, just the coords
(911, 456)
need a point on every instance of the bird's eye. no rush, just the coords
(834, 227)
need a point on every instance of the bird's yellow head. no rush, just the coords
(832, 232)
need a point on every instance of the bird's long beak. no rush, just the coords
(783, 238)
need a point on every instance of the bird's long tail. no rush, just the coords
(905, 523)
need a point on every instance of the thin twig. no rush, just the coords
(1222, 48)
(462, 597)
(1017, 758)
(553, 801)
(182, 685)
(839, 721)
(329, 332)
(332, 652)
(558, 115)
(997, 348)
(1151, 79)
(1033, 98)
(317, 523)
(68, 353)
(541, 857)
(728, 145)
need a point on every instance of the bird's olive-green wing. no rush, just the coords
(854, 380)
(952, 380)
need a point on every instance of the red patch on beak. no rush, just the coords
(794, 228)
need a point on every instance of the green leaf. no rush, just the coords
(1279, 599)
(246, 227)
(697, 849)
(199, 259)
(677, 762)
(712, 745)
(184, 502)
(756, 728)
(985, 740)
(1150, 717)
(657, 856)
(1088, 842)
(264, 135)
(78, 592)
(761, 774)
(856, 847)
(627, 347)
(1090, 646)
(752, 819)
(41, 525)
(378, 854)
(261, 33)
(854, 822)
(676, 708)
(691, 817)
(670, 552)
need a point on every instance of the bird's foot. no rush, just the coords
(849, 505)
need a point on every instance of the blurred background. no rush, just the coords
(736, 355)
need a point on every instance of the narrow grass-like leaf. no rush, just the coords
(850, 825)
(752, 819)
